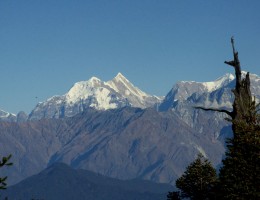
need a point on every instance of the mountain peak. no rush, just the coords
(94, 79)
(122, 85)
(218, 83)
(116, 93)
(120, 78)
(119, 74)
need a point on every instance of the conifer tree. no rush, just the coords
(240, 174)
(4, 162)
(198, 180)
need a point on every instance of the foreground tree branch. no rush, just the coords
(240, 175)
(215, 109)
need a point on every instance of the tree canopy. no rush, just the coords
(198, 180)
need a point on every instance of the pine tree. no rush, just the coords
(198, 180)
(240, 174)
(4, 162)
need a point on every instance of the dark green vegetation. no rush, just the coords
(239, 177)
(240, 174)
(4, 162)
(60, 182)
(198, 180)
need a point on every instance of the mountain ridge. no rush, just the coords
(123, 143)
(120, 92)
(60, 182)
(117, 93)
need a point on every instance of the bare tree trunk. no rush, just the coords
(243, 104)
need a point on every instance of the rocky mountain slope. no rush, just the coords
(122, 143)
(60, 182)
(94, 93)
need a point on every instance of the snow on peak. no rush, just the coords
(122, 85)
(4, 114)
(102, 92)
(83, 89)
(218, 83)
(94, 79)
(120, 76)
(116, 93)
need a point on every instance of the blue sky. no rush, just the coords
(47, 45)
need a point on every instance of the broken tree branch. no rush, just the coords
(215, 109)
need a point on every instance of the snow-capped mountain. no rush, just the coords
(134, 95)
(117, 93)
(255, 85)
(182, 90)
(6, 116)
(186, 95)
(207, 94)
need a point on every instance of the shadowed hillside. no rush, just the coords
(60, 182)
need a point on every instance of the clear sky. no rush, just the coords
(48, 45)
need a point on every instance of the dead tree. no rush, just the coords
(243, 106)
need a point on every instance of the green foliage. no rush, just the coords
(198, 180)
(4, 162)
(240, 174)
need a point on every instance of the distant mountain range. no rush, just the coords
(120, 92)
(5, 116)
(60, 182)
(94, 93)
(115, 129)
